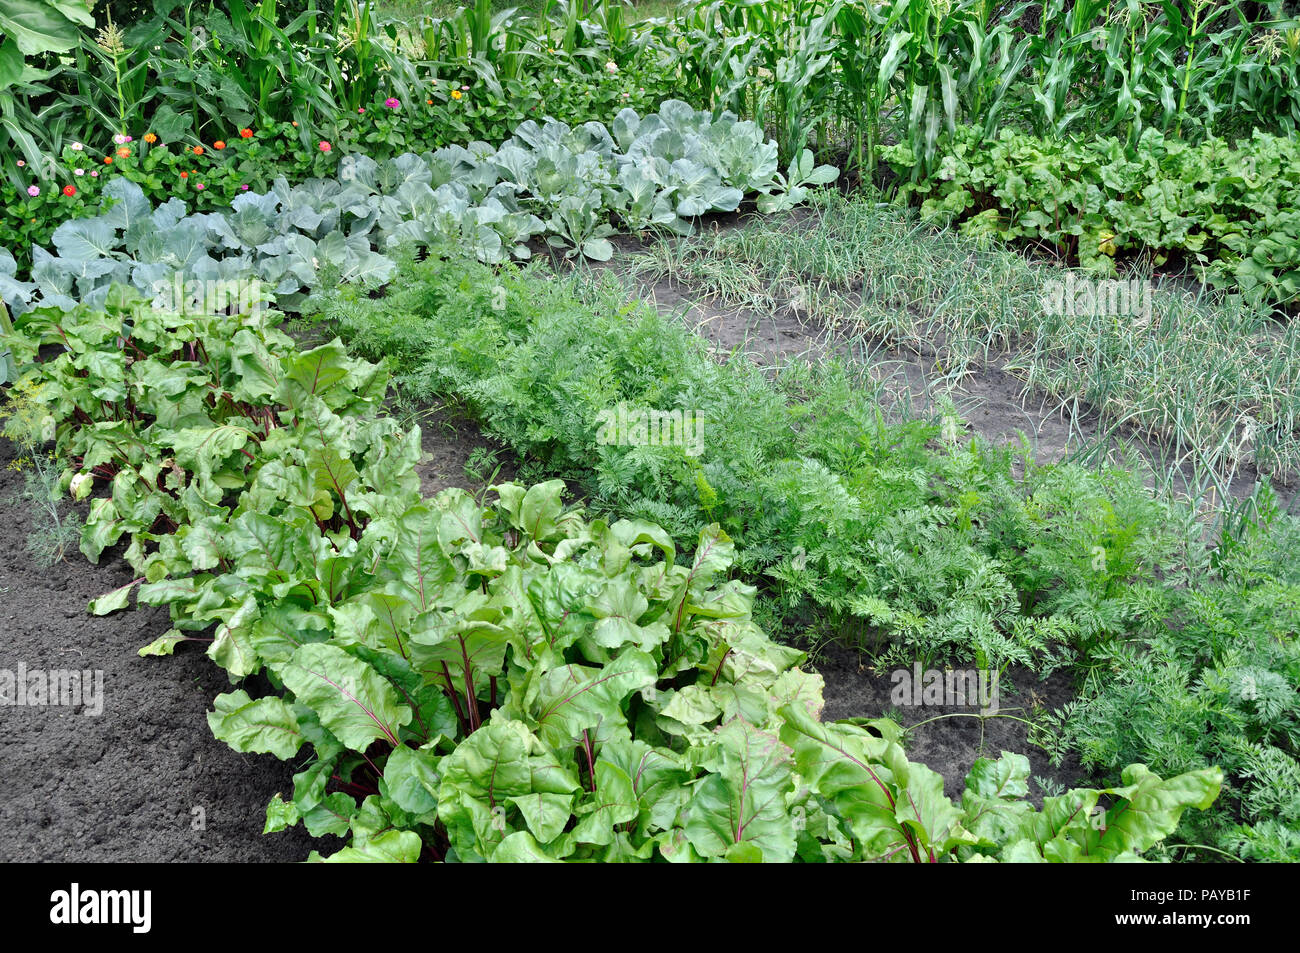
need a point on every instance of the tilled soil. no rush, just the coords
(949, 738)
(144, 780)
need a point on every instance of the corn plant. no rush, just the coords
(352, 55)
(717, 68)
(769, 59)
(29, 30)
(494, 45)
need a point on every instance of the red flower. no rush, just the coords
(248, 133)
(69, 191)
(185, 175)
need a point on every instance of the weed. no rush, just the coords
(55, 527)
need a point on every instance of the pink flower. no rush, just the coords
(199, 186)
(325, 146)
(33, 191)
(243, 188)
(121, 139)
(361, 110)
(392, 103)
(77, 147)
(78, 171)
(21, 163)
(94, 173)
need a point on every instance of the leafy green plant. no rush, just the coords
(1209, 379)
(1216, 685)
(196, 73)
(1230, 211)
(769, 60)
(911, 71)
(53, 531)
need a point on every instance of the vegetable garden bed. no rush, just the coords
(652, 549)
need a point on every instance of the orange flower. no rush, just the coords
(124, 152)
(108, 160)
(150, 138)
(455, 94)
(429, 101)
(218, 145)
(248, 133)
(295, 124)
(198, 150)
(185, 175)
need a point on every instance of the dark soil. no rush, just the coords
(951, 745)
(449, 443)
(132, 783)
